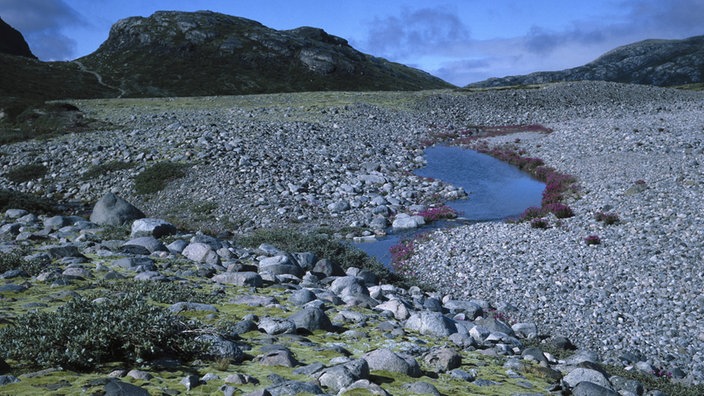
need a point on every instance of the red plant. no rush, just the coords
(438, 212)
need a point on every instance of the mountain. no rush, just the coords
(206, 53)
(653, 62)
(12, 42)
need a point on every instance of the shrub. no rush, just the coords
(401, 252)
(607, 218)
(561, 211)
(539, 222)
(83, 334)
(14, 260)
(10, 199)
(532, 212)
(162, 292)
(156, 177)
(101, 169)
(592, 240)
(24, 173)
(437, 213)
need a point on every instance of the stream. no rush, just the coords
(496, 190)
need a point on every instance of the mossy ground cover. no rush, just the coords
(320, 346)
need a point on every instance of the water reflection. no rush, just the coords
(496, 191)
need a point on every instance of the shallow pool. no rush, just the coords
(497, 191)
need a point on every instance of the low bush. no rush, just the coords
(607, 218)
(10, 199)
(162, 292)
(560, 210)
(401, 252)
(437, 213)
(24, 173)
(156, 177)
(592, 240)
(540, 223)
(101, 169)
(82, 334)
(14, 261)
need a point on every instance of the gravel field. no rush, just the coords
(636, 297)
(311, 160)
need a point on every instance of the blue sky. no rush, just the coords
(460, 41)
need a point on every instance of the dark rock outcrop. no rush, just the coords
(206, 53)
(651, 62)
(12, 42)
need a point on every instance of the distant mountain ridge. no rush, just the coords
(175, 53)
(12, 42)
(653, 62)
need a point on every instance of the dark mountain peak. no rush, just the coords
(651, 62)
(12, 42)
(173, 53)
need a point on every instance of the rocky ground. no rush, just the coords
(337, 160)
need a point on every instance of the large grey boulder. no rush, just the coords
(113, 210)
(586, 375)
(431, 323)
(148, 242)
(201, 253)
(156, 228)
(443, 359)
(342, 375)
(311, 319)
(221, 348)
(387, 360)
(246, 278)
(280, 265)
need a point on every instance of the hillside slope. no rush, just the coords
(205, 53)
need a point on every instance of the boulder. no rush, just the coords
(201, 253)
(340, 376)
(431, 323)
(443, 359)
(113, 210)
(586, 375)
(387, 360)
(148, 242)
(156, 228)
(246, 278)
(311, 319)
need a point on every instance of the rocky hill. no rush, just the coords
(12, 42)
(206, 53)
(652, 62)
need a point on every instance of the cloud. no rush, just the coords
(579, 42)
(41, 23)
(416, 32)
(673, 17)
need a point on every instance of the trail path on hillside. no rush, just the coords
(99, 78)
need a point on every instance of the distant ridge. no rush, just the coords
(652, 62)
(206, 53)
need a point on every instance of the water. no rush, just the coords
(496, 191)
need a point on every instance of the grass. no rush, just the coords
(108, 167)
(156, 177)
(25, 173)
(11, 199)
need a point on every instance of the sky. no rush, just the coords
(460, 41)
